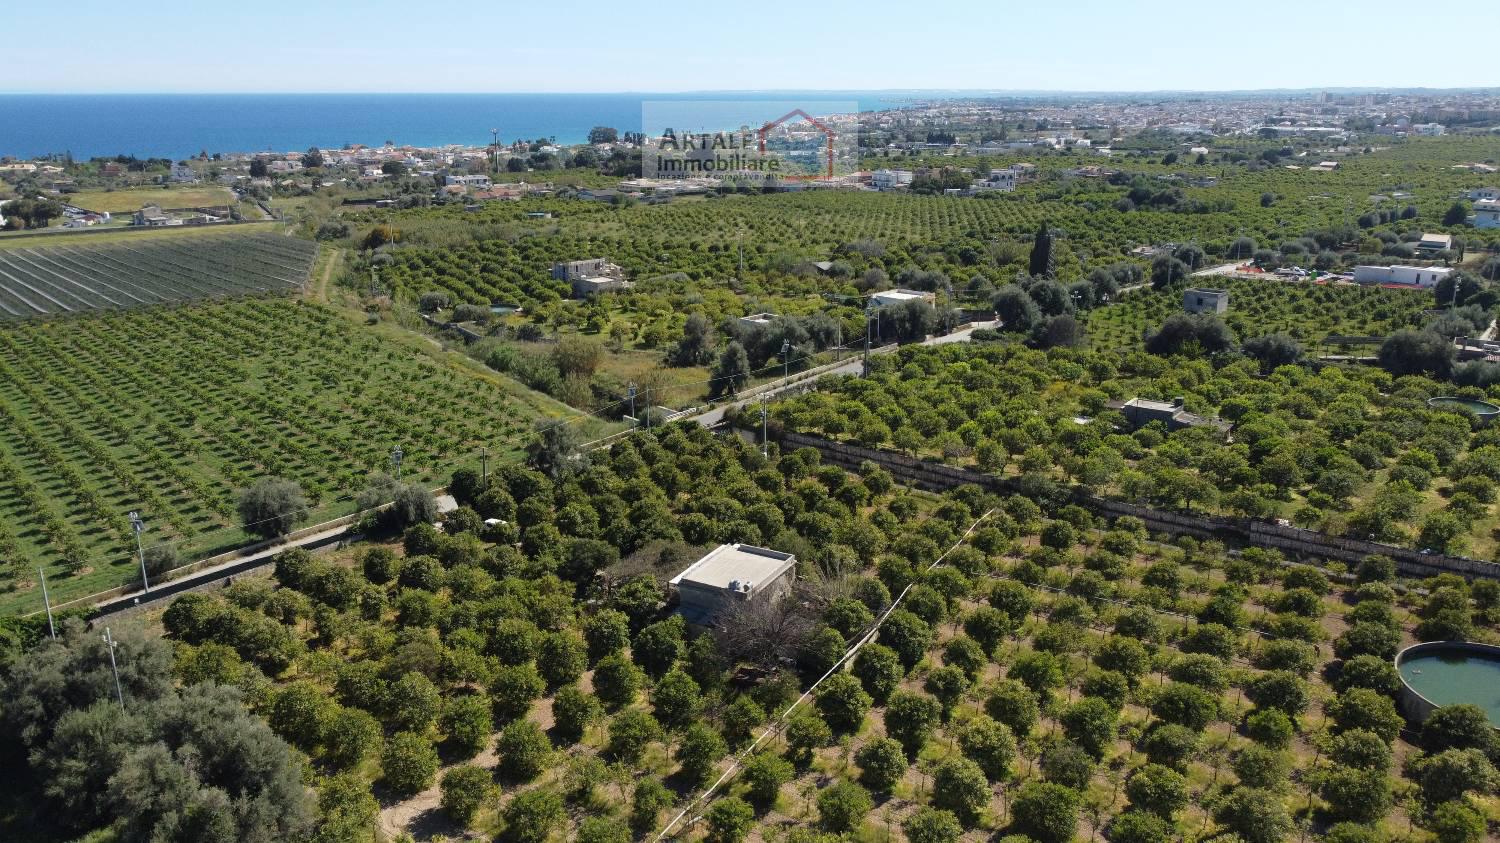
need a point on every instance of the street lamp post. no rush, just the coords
(630, 393)
(396, 456)
(786, 359)
(138, 526)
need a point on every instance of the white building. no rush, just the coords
(1479, 193)
(476, 182)
(183, 174)
(1434, 242)
(758, 320)
(1201, 300)
(1487, 213)
(1002, 180)
(729, 575)
(890, 179)
(1416, 276)
(899, 296)
(1430, 130)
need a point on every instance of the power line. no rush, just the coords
(775, 727)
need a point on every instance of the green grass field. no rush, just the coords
(126, 201)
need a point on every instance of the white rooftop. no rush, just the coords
(900, 295)
(736, 563)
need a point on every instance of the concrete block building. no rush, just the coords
(731, 574)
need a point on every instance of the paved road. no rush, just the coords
(241, 564)
(713, 417)
(238, 565)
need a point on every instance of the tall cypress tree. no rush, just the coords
(1041, 254)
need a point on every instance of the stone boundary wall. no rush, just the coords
(1292, 541)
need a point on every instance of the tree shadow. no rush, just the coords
(433, 822)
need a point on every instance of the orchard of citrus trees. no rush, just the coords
(1033, 674)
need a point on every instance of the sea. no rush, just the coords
(181, 125)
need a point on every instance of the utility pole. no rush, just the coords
(47, 601)
(396, 456)
(630, 394)
(484, 468)
(786, 359)
(866, 371)
(741, 239)
(109, 641)
(138, 526)
(765, 441)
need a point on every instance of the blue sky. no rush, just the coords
(91, 46)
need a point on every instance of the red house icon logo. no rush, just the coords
(829, 136)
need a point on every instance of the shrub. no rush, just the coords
(729, 820)
(879, 671)
(1269, 727)
(699, 752)
(843, 703)
(408, 764)
(532, 814)
(1047, 812)
(467, 723)
(764, 774)
(1257, 816)
(352, 736)
(1259, 766)
(630, 733)
(272, 507)
(932, 825)
(990, 744)
(842, 806)
(882, 763)
(616, 681)
(465, 790)
(958, 785)
(1158, 789)
(573, 712)
(524, 750)
(650, 797)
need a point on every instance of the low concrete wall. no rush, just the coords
(1293, 541)
(1415, 706)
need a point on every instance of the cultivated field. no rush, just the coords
(1387, 466)
(1309, 312)
(128, 201)
(172, 410)
(83, 276)
(1053, 675)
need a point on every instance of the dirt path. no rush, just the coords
(320, 291)
(421, 815)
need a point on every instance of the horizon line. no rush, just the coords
(680, 92)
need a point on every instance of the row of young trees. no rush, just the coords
(1033, 648)
(1349, 451)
